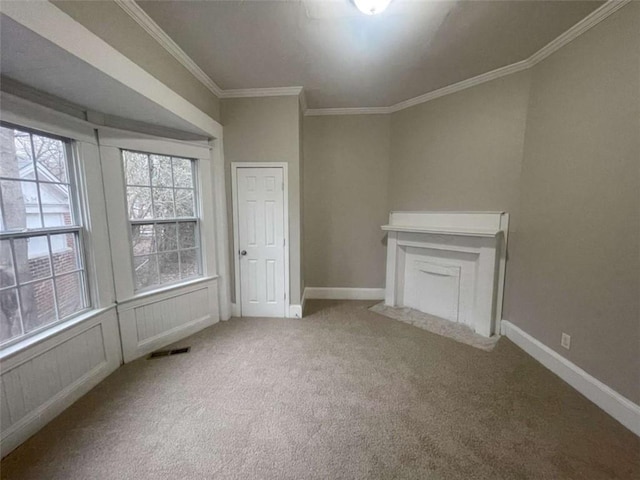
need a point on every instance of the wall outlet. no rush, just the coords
(566, 341)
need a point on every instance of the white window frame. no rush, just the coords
(76, 229)
(112, 142)
(84, 170)
(170, 220)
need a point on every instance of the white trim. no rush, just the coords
(463, 85)
(297, 311)
(146, 22)
(152, 28)
(29, 114)
(619, 407)
(262, 92)
(578, 29)
(38, 417)
(51, 23)
(237, 307)
(319, 112)
(128, 140)
(343, 293)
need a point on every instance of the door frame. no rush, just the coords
(236, 231)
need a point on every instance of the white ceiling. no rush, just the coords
(345, 59)
(34, 61)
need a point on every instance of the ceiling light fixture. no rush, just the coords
(372, 7)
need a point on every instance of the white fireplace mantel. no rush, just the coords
(448, 264)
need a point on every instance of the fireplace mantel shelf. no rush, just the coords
(448, 264)
(443, 231)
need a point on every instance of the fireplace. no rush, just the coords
(448, 264)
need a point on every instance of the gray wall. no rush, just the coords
(557, 146)
(113, 25)
(462, 151)
(266, 129)
(575, 266)
(345, 183)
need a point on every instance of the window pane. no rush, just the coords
(57, 210)
(161, 171)
(9, 315)
(32, 258)
(50, 159)
(182, 173)
(16, 160)
(143, 238)
(39, 259)
(136, 168)
(184, 203)
(7, 275)
(70, 296)
(169, 268)
(189, 263)
(65, 252)
(20, 204)
(166, 236)
(146, 271)
(38, 305)
(139, 201)
(37, 195)
(163, 203)
(187, 234)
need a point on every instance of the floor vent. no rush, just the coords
(166, 353)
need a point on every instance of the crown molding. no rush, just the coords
(261, 92)
(463, 85)
(152, 28)
(319, 112)
(578, 29)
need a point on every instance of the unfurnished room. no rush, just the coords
(320, 239)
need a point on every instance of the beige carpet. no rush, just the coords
(455, 331)
(341, 394)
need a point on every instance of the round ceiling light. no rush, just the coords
(372, 7)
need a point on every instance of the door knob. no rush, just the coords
(243, 252)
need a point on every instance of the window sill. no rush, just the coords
(167, 289)
(27, 343)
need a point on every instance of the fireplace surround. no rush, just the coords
(448, 264)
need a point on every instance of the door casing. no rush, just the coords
(237, 306)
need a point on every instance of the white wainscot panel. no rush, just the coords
(155, 320)
(42, 380)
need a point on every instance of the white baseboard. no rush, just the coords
(297, 311)
(340, 293)
(235, 309)
(619, 407)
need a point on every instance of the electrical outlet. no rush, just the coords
(566, 341)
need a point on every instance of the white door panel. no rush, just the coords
(261, 241)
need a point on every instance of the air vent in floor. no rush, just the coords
(166, 353)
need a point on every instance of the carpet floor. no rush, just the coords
(344, 393)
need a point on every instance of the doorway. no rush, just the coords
(260, 217)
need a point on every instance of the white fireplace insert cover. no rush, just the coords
(449, 265)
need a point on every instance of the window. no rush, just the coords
(42, 273)
(162, 209)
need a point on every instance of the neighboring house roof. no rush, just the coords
(50, 193)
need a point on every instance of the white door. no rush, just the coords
(261, 241)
